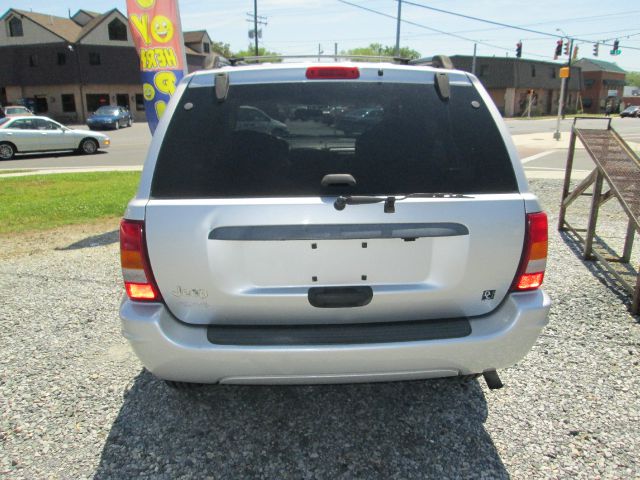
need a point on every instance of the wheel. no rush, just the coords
(117, 125)
(129, 122)
(89, 146)
(183, 385)
(7, 151)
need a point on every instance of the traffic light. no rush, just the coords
(595, 49)
(566, 47)
(616, 50)
(575, 52)
(558, 50)
(519, 49)
(616, 44)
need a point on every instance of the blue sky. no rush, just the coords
(298, 26)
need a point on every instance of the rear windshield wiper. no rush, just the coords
(389, 201)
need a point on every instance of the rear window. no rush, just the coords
(279, 140)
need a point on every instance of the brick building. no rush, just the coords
(508, 81)
(603, 82)
(67, 67)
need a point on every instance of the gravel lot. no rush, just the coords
(75, 402)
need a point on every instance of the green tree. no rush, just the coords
(377, 49)
(223, 49)
(251, 51)
(633, 79)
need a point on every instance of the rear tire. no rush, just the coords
(129, 122)
(88, 146)
(7, 151)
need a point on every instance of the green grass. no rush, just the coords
(42, 202)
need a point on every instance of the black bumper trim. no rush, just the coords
(340, 334)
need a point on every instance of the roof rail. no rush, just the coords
(268, 58)
(437, 61)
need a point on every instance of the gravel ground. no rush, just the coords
(75, 402)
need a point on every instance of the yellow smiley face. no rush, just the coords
(148, 91)
(165, 82)
(161, 29)
(161, 106)
(145, 3)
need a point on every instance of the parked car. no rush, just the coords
(413, 251)
(631, 111)
(358, 120)
(110, 117)
(251, 118)
(16, 111)
(41, 134)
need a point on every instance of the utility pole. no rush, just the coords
(255, 25)
(473, 63)
(335, 51)
(320, 52)
(397, 53)
(256, 20)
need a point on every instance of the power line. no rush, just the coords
(424, 26)
(500, 24)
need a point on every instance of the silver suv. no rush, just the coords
(404, 246)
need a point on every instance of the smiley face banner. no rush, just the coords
(157, 34)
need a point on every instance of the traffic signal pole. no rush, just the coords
(563, 87)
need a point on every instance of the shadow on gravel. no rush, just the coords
(94, 241)
(420, 429)
(598, 270)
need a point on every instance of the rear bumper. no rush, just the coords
(176, 351)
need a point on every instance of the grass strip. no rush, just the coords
(42, 202)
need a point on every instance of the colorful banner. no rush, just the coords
(157, 34)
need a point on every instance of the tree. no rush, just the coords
(250, 52)
(377, 49)
(223, 49)
(633, 79)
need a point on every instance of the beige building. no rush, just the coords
(66, 68)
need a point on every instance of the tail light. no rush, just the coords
(534, 256)
(136, 270)
(333, 73)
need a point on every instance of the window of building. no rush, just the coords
(139, 102)
(484, 70)
(33, 60)
(117, 30)
(588, 82)
(15, 27)
(94, 58)
(533, 70)
(62, 58)
(96, 100)
(206, 48)
(68, 102)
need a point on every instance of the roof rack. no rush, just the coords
(437, 61)
(267, 58)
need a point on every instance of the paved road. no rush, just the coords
(128, 147)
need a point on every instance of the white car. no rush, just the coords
(41, 134)
(251, 118)
(410, 249)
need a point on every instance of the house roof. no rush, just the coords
(590, 65)
(195, 36)
(65, 28)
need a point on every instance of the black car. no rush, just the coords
(631, 111)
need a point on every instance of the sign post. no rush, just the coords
(564, 75)
(157, 34)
